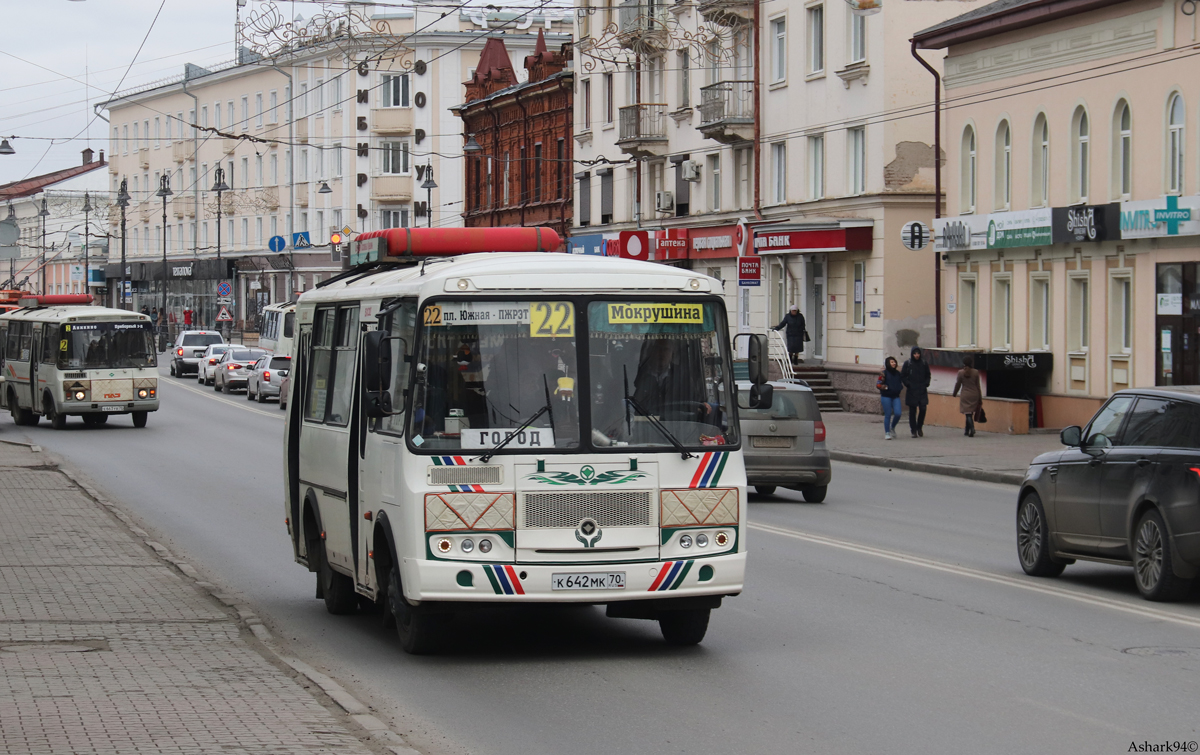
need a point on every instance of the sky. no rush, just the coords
(52, 47)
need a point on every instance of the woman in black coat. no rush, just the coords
(915, 375)
(794, 322)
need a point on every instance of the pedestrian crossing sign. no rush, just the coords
(301, 241)
(224, 316)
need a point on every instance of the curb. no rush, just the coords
(965, 473)
(374, 729)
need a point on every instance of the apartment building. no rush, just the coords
(1072, 239)
(315, 138)
(795, 135)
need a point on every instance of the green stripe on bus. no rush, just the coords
(679, 580)
(713, 482)
(487, 569)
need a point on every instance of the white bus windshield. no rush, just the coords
(106, 345)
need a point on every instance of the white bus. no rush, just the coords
(515, 428)
(278, 328)
(62, 358)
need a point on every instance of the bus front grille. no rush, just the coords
(567, 510)
(464, 475)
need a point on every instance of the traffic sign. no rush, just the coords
(347, 230)
(225, 300)
(335, 238)
(301, 241)
(914, 235)
(277, 244)
(224, 289)
(224, 316)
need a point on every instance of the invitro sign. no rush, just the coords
(1155, 218)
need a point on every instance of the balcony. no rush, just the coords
(270, 197)
(392, 120)
(302, 194)
(642, 25)
(145, 212)
(643, 130)
(727, 12)
(301, 127)
(143, 156)
(229, 146)
(181, 152)
(391, 188)
(727, 111)
(184, 206)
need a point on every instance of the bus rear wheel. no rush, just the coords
(20, 416)
(686, 627)
(417, 630)
(139, 418)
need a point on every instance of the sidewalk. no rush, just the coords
(989, 457)
(109, 645)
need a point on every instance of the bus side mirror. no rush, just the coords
(761, 396)
(758, 352)
(377, 373)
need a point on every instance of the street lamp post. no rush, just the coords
(123, 202)
(164, 191)
(87, 271)
(220, 187)
(43, 214)
(429, 185)
(12, 261)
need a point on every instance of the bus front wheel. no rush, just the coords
(418, 631)
(139, 418)
(57, 420)
(686, 627)
(337, 589)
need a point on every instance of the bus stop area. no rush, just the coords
(109, 644)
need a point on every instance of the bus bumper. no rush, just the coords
(74, 408)
(532, 583)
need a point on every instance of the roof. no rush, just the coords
(30, 186)
(73, 310)
(1000, 17)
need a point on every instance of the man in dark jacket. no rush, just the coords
(915, 376)
(794, 322)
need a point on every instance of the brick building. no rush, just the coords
(520, 174)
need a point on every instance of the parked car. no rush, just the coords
(208, 361)
(266, 377)
(234, 368)
(784, 444)
(1124, 490)
(189, 350)
(285, 385)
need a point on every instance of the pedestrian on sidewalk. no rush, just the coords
(796, 334)
(890, 385)
(972, 395)
(915, 375)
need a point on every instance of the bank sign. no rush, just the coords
(1155, 218)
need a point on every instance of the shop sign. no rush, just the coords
(749, 271)
(1155, 218)
(1074, 225)
(588, 244)
(712, 242)
(76, 273)
(964, 233)
(1169, 304)
(671, 244)
(181, 271)
(1007, 230)
(635, 245)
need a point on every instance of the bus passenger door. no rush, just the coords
(381, 443)
(35, 356)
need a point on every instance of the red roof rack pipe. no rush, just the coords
(55, 300)
(444, 242)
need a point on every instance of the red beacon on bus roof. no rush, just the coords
(447, 242)
(55, 300)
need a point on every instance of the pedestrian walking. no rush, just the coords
(795, 333)
(916, 376)
(890, 385)
(971, 398)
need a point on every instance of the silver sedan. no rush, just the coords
(234, 368)
(266, 378)
(208, 361)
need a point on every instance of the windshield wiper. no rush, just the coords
(629, 400)
(521, 428)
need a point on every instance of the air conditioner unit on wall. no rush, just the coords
(690, 170)
(664, 201)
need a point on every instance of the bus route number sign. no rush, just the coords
(552, 319)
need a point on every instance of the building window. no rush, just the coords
(258, 110)
(858, 38)
(125, 139)
(969, 171)
(714, 182)
(395, 91)
(1002, 313)
(1120, 310)
(858, 159)
(157, 132)
(606, 196)
(524, 175)
(1175, 136)
(245, 112)
(779, 49)
(505, 179)
(395, 158)
(395, 218)
(537, 172)
(816, 167)
(1078, 308)
(1082, 156)
(610, 113)
(1041, 162)
(1123, 152)
(816, 39)
(1039, 313)
(585, 199)
(585, 106)
(1004, 167)
(274, 170)
(967, 312)
(258, 170)
(685, 80)
(559, 168)
(859, 295)
(258, 231)
(274, 111)
(741, 177)
(779, 172)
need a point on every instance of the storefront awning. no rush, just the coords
(827, 236)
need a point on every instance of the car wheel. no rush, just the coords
(417, 629)
(337, 589)
(57, 420)
(686, 627)
(172, 369)
(262, 399)
(249, 395)
(218, 386)
(1033, 539)
(814, 493)
(1152, 569)
(765, 489)
(139, 418)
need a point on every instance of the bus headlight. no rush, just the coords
(143, 393)
(80, 395)
(485, 546)
(467, 545)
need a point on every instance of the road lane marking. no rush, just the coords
(966, 571)
(209, 395)
(1089, 720)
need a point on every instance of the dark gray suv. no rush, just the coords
(1125, 490)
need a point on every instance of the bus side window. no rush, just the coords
(3, 343)
(26, 340)
(12, 348)
(402, 325)
(50, 338)
(289, 320)
(320, 365)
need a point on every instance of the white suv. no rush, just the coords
(189, 348)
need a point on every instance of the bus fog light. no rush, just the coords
(485, 546)
(444, 545)
(685, 541)
(722, 539)
(702, 541)
(143, 393)
(467, 545)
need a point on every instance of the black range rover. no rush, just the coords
(1125, 490)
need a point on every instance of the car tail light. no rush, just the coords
(234, 367)
(266, 374)
(179, 352)
(818, 432)
(212, 361)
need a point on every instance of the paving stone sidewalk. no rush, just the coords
(989, 457)
(106, 648)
